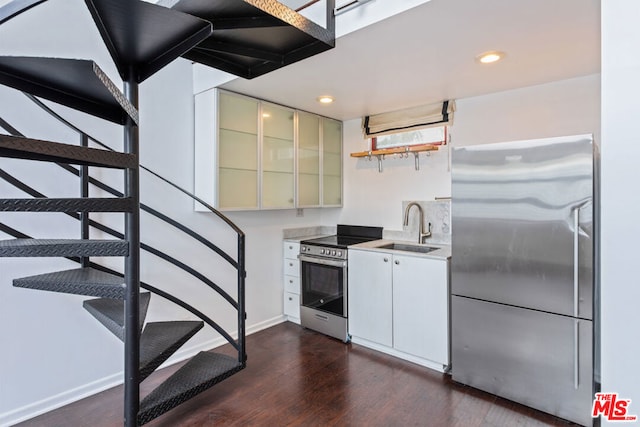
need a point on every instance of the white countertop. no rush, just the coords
(301, 238)
(443, 252)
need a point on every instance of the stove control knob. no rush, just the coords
(322, 251)
(303, 249)
(339, 253)
(333, 253)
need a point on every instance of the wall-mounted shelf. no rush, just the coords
(402, 151)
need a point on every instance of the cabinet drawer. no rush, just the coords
(292, 284)
(291, 249)
(292, 305)
(291, 267)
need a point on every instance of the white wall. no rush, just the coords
(620, 202)
(561, 108)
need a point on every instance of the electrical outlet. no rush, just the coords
(299, 212)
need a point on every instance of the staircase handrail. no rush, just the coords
(107, 147)
(20, 235)
(238, 265)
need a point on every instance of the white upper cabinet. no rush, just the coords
(238, 152)
(278, 157)
(331, 162)
(251, 154)
(308, 160)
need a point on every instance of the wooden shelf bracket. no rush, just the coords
(401, 151)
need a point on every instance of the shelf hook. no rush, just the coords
(380, 158)
(416, 157)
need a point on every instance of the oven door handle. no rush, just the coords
(322, 261)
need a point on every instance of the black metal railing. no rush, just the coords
(85, 180)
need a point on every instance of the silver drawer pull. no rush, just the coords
(290, 264)
(397, 262)
(290, 299)
(386, 259)
(290, 247)
(290, 281)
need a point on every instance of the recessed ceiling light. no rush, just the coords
(325, 99)
(490, 57)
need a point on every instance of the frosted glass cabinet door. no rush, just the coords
(308, 160)
(237, 152)
(278, 178)
(331, 162)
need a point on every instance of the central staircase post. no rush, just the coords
(84, 193)
(132, 266)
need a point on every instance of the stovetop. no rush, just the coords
(337, 241)
(334, 246)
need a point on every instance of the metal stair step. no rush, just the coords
(76, 83)
(143, 37)
(62, 248)
(18, 147)
(80, 281)
(253, 38)
(110, 312)
(197, 375)
(111, 204)
(160, 340)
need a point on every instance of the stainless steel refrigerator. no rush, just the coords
(524, 271)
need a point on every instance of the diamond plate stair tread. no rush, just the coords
(160, 340)
(80, 281)
(110, 204)
(253, 38)
(34, 149)
(62, 248)
(110, 312)
(145, 44)
(76, 83)
(197, 375)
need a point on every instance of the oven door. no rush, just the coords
(323, 284)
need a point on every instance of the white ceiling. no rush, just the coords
(427, 54)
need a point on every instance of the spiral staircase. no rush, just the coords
(245, 37)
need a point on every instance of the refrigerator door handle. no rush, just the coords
(576, 354)
(576, 293)
(576, 256)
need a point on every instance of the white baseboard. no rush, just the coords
(399, 354)
(53, 402)
(34, 409)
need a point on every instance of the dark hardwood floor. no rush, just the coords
(296, 377)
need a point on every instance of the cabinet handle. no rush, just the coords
(290, 264)
(386, 259)
(396, 262)
(290, 299)
(290, 247)
(290, 281)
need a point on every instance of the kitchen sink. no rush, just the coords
(408, 248)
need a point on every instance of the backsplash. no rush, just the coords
(437, 212)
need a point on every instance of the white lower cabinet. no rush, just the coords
(370, 296)
(291, 270)
(399, 304)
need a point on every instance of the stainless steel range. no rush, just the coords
(323, 272)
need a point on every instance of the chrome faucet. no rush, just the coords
(421, 233)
